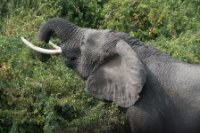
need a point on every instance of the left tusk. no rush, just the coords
(42, 50)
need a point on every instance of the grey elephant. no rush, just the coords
(158, 93)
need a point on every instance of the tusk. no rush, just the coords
(54, 45)
(41, 50)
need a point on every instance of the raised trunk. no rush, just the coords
(63, 29)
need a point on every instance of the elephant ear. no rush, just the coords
(120, 79)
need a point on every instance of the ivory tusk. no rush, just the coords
(42, 50)
(54, 45)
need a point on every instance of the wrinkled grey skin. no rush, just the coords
(158, 93)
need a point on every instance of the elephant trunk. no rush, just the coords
(63, 29)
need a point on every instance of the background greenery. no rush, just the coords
(39, 95)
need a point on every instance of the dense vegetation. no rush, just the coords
(39, 95)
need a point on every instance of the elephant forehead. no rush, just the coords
(94, 42)
(96, 37)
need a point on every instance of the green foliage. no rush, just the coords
(185, 48)
(31, 17)
(148, 19)
(144, 19)
(41, 95)
(45, 96)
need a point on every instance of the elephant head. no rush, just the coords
(112, 69)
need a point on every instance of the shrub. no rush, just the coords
(185, 47)
(46, 96)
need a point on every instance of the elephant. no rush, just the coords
(157, 93)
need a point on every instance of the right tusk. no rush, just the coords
(54, 45)
(42, 50)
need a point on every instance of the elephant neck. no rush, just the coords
(145, 52)
(148, 54)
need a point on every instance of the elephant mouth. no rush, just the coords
(69, 64)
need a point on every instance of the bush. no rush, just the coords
(185, 47)
(143, 19)
(149, 19)
(45, 96)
